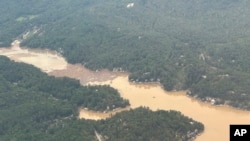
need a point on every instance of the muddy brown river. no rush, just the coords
(216, 119)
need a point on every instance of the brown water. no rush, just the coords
(215, 118)
(45, 60)
(93, 115)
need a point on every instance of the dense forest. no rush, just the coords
(37, 107)
(201, 46)
(130, 125)
(98, 98)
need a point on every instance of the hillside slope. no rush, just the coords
(38, 107)
(197, 45)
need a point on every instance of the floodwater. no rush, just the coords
(93, 115)
(216, 119)
(85, 76)
(45, 60)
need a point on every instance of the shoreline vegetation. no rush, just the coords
(133, 91)
(200, 46)
(211, 100)
(50, 104)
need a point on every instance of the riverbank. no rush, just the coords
(216, 119)
(85, 113)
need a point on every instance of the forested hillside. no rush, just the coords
(144, 125)
(24, 77)
(200, 45)
(37, 107)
